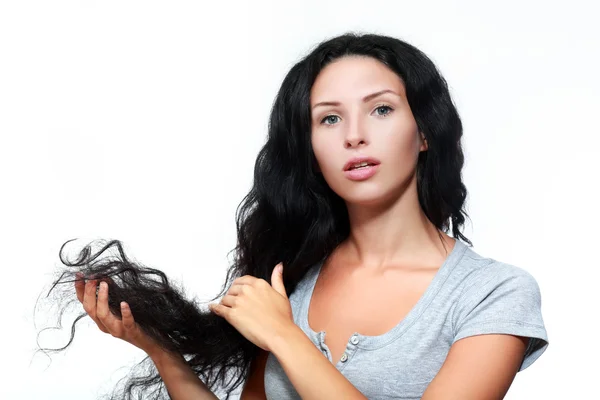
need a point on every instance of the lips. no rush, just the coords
(361, 174)
(360, 165)
(358, 160)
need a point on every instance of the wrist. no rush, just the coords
(158, 354)
(284, 338)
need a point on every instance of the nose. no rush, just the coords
(355, 134)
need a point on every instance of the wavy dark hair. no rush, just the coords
(290, 215)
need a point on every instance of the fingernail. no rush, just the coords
(103, 285)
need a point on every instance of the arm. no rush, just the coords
(254, 389)
(262, 314)
(494, 321)
(181, 381)
(314, 377)
(478, 367)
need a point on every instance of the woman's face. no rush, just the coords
(382, 127)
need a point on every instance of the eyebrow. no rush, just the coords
(365, 99)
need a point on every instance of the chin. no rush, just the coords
(366, 198)
(366, 202)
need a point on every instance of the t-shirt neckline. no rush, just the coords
(374, 342)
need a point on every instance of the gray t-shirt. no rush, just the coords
(469, 295)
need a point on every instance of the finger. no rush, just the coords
(89, 303)
(245, 280)
(277, 280)
(220, 310)
(105, 317)
(89, 298)
(79, 286)
(127, 317)
(229, 301)
(237, 290)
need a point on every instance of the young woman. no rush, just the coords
(354, 193)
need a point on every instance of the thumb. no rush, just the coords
(277, 280)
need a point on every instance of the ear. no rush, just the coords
(424, 145)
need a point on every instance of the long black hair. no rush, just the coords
(290, 215)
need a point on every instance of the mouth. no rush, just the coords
(362, 172)
(361, 166)
(360, 163)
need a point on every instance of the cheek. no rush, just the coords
(324, 152)
(402, 147)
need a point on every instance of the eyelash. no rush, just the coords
(376, 108)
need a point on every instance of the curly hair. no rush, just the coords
(290, 215)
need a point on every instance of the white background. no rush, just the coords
(141, 120)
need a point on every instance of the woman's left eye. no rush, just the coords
(385, 107)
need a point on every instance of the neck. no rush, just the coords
(397, 234)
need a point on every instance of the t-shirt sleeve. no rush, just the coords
(503, 299)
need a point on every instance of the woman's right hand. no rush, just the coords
(126, 328)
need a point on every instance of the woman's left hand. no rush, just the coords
(259, 311)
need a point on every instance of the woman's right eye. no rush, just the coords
(327, 118)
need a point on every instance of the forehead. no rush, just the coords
(353, 77)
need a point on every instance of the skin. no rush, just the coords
(389, 229)
(181, 381)
(97, 308)
(389, 236)
(388, 226)
(389, 232)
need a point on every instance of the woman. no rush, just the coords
(354, 193)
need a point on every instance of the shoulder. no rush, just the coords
(487, 280)
(479, 274)
(488, 277)
(500, 298)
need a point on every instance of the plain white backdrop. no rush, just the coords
(141, 121)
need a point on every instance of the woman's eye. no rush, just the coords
(328, 118)
(386, 108)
